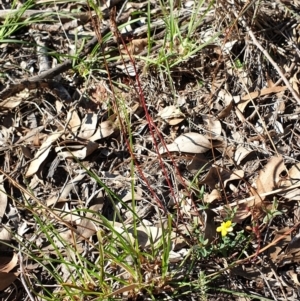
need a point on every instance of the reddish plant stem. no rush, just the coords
(152, 127)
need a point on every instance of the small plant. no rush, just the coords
(12, 21)
(203, 250)
(271, 213)
(230, 212)
(225, 244)
(202, 280)
(231, 242)
(179, 46)
(238, 64)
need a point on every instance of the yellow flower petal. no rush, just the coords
(225, 228)
(230, 229)
(224, 232)
(228, 224)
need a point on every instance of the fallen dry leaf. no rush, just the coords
(170, 112)
(172, 115)
(6, 279)
(73, 120)
(31, 135)
(293, 178)
(11, 102)
(105, 129)
(262, 92)
(80, 154)
(227, 99)
(241, 153)
(136, 46)
(247, 98)
(67, 236)
(42, 153)
(214, 176)
(276, 253)
(88, 126)
(3, 197)
(7, 263)
(211, 197)
(268, 178)
(209, 225)
(148, 236)
(26, 152)
(14, 101)
(87, 227)
(236, 175)
(188, 143)
(212, 125)
(5, 235)
(294, 276)
(124, 289)
(198, 163)
(64, 193)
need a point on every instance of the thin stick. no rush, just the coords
(49, 15)
(266, 54)
(251, 198)
(23, 277)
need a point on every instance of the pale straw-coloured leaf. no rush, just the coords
(212, 125)
(80, 154)
(14, 101)
(215, 195)
(7, 263)
(88, 126)
(105, 129)
(87, 225)
(73, 120)
(63, 194)
(42, 153)
(188, 143)
(236, 175)
(241, 153)
(268, 178)
(3, 197)
(170, 112)
(293, 178)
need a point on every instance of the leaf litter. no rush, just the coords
(217, 139)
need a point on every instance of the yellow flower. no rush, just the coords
(225, 228)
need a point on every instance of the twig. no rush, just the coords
(266, 54)
(45, 15)
(252, 198)
(266, 281)
(22, 276)
(278, 280)
(62, 16)
(69, 26)
(42, 52)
